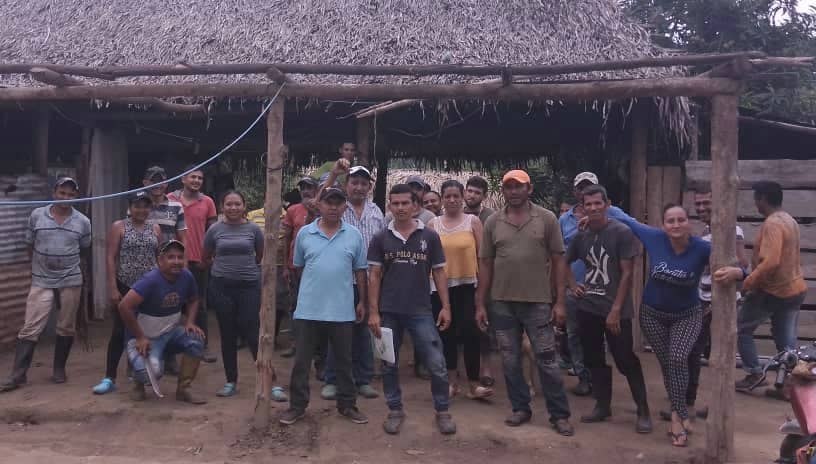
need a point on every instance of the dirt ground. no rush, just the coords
(46, 423)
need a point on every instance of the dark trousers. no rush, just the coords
(237, 304)
(116, 344)
(201, 275)
(462, 330)
(362, 354)
(309, 335)
(592, 331)
(700, 348)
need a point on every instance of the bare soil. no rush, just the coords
(47, 423)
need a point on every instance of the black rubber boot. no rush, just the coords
(602, 392)
(171, 366)
(23, 354)
(638, 387)
(62, 348)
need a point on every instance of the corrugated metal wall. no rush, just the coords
(15, 266)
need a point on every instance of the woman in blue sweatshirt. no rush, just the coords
(671, 316)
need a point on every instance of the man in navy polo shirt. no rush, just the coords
(326, 253)
(401, 258)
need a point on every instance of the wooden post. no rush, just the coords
(637, 207)
(724, 185)
(42, 119)
(272, 207)
(381, 184)
(365, 127)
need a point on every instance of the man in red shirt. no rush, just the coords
(296, 217)
(199, 215)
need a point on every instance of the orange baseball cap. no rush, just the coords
(517, 175)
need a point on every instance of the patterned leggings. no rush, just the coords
(672, 336)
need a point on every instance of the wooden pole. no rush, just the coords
(42, 123)
(381, 154)
(581, 91)
(272, 207)
(724, 185)
(365, 127)
(186, 69)
(637, 207)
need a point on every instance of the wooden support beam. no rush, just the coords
(381, 184)
(637, 208)
(390, 107)
(806, 130)
(724, 145)
(112, 72)
(734, 69)
(791, 174)
(162, 105)
(47, 76)
(277, 76)
(272, 207)
(783, 61)
(42, 123)
(365, 129)
(584, 91)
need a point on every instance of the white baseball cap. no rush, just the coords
(585, 176)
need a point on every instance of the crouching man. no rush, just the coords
(152, 313)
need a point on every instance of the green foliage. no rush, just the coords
(772, 26)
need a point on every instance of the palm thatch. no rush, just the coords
(117, 32)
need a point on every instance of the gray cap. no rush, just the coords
(140, 196)
(414, 179)
(308, 180)
(66, 180)
(155, 171)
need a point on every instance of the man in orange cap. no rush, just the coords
(518, 238)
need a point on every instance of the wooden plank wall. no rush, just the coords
(798, 179)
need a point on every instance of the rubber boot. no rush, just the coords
(638, 387)
(171, 367)
(137, 391)
(187, 372)
(62, 348)
(23, 354)
(602, 392)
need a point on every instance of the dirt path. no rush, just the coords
(46, 423)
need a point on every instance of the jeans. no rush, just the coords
(237, 304)
(576, 350)
(462, 330)
(201, 275)
(362, 354)
(509, 318)
(172, 342)
(309, 335)
(428, 345)
(757, 307)
(116, 344)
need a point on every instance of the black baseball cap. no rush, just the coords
(332, 192)
(66, 180)
(155, 171)
(170, 244)
(308, 180)
(140, 196)
(360, 171)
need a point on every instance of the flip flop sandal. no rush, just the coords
(453, 390)
(480, 393)
(487, 381)
(682, 435)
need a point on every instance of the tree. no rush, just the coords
(775, 27)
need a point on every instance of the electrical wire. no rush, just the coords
(166, 181)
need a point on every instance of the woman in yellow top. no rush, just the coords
(461, 236)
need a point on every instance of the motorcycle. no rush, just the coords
(798, 367)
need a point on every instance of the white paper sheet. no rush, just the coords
(384, 346)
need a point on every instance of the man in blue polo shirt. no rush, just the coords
(326, 253)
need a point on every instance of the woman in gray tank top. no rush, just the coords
(132, 245)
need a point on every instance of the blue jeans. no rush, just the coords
(362, 355)
(757, 307)
(171, 342)
(508, 319)
(429, 347)
(576, 350)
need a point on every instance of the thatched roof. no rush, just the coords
(117, 32)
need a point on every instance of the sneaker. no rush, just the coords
(445, 423)
(776, 394)
(750, 381)
(518, 418)
(291, 415)
(329, 392)
(290, 353)
(563, 427)
(208, 357)
(229, 389)
(354, 415)
(367, 392)
(107, 385)
(393, 422)
(584, 388)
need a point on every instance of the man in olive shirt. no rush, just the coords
(521, 237)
